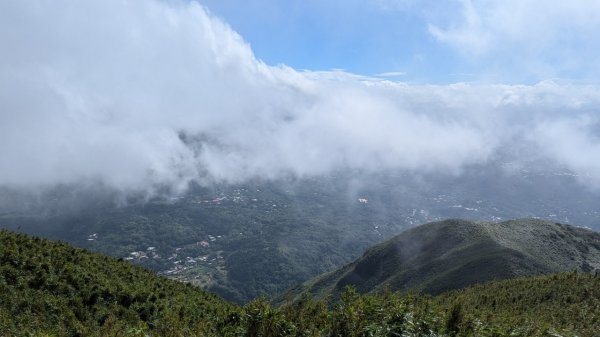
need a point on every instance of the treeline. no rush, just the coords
(52, 289)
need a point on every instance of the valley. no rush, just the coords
(260, 238)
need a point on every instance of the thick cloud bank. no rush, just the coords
(137, 94)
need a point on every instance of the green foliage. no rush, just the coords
(52, 289)
(64, 291)
(569, 301)
(455, 319)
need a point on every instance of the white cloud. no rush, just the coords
(391, 74)
(137, 94)
(574, 143)
(541, 37)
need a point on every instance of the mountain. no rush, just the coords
(262, 237)
(453, 254)
(50, 288)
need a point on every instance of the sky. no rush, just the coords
(140, 95)
(425, 41)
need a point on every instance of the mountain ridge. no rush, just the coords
(452, 254)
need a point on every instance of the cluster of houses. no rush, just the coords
(215, 200)
(236, 196)
(141, 255)
(186, 263)
(179, 264)
(206, 243)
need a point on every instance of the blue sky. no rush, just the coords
(508, 41)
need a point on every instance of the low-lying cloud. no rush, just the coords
(138, 94)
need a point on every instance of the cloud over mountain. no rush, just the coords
(143, 93)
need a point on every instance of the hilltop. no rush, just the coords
(454, 254)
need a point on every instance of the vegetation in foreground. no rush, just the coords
(53, 289)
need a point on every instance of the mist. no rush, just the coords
(147, 95)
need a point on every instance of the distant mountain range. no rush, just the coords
(453, 254)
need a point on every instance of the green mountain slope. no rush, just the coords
(453, 254)
(52, 289)
(56, 289)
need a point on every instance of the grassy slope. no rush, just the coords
(453, 254)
